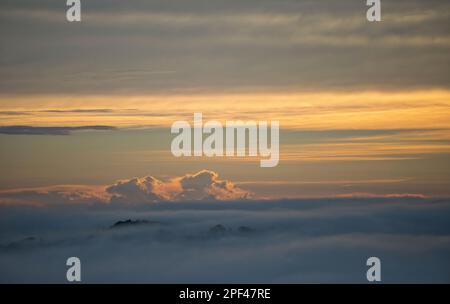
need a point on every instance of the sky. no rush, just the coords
(364, 109)
(357, 101)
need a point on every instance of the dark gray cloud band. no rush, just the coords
(30, 130)
(137, 47)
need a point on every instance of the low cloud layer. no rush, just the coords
(280, 241)
(198, 228)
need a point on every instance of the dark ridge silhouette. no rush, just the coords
(129, 223)
(218, 229)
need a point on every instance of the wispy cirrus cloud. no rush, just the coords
(302, 110)
(372, 195)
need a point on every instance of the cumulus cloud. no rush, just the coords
(204, 185)
(137, 190)
(207, 185)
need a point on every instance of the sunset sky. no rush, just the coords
(87, 171)
(364, 108)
